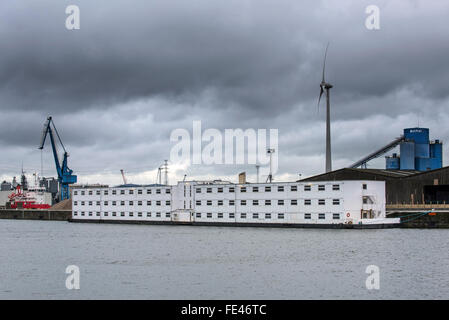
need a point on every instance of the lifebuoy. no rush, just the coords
(348, 214)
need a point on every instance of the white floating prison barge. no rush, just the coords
(327, 204)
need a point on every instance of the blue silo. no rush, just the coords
(407, 149)
(436, 155)
(392, 163)
(423, 164)
(420, 136)
(417, 152)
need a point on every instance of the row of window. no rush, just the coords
(231, 215)
(307, 216)
(122, 203)
(121, 214)
(293, 202)
(121, 191)
(321, 187)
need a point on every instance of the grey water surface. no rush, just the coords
(187, 262)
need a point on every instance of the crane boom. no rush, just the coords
(123, 176)
(65, 176)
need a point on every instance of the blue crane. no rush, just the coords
(65, 176)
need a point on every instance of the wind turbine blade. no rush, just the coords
(324, 63)
(319, 98)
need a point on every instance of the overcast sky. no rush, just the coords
(136, 70)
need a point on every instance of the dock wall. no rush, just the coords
(29, 214)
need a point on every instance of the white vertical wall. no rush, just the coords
(291, 202)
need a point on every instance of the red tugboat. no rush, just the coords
(33, 198)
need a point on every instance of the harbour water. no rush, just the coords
(185, 262)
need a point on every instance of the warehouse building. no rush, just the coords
(402, 186)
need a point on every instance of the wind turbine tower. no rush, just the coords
(325, 88)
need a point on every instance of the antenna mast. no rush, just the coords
(270, 176)
(166, 172)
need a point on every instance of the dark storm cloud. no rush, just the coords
(136, 70)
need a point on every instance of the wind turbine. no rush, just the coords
(324, 88)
